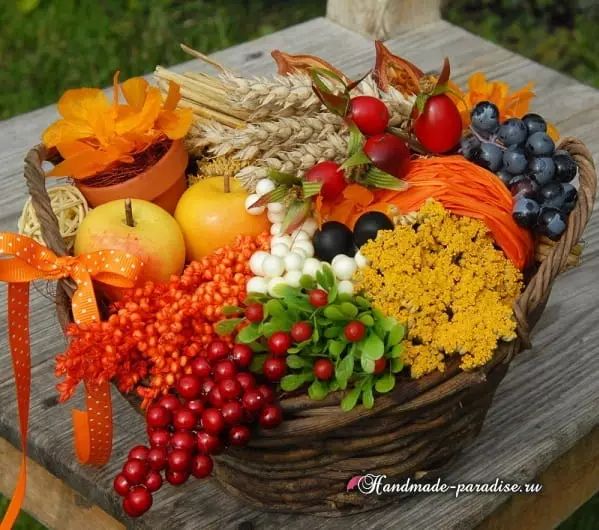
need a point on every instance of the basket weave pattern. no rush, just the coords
(415, 431)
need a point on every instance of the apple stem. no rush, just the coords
(227, 184)
(129, 213)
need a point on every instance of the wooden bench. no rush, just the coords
(543, 424)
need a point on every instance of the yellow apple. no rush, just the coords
(211, 217)
(155, 236)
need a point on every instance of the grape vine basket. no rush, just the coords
(304, 465)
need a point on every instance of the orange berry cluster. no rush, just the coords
(154, 331)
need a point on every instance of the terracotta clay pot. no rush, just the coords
(163, 183)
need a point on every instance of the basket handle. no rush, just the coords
(537, 290)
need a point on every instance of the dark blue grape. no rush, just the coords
(513, 132)
(534, 123)
(570, 197)
(565, 167)
(540, 144)
(515, 160)
(523, 187)
(490, 157)
(542, 169)
(485, 117)
(551, 192)
(505, 177)
(470, 146)
(552, 223)
(526, 212)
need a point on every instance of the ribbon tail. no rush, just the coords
(93, 427)
(18, 333)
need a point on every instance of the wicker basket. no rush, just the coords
(415, 431)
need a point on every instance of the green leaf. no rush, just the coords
(362, 303)
(373, 347)
(296, 213)
(379, 329)
(333, 386)
(318, 390)
(345, 369)
(397, 365)
(379, 179)
(307, 282)
(333, 292)
(388, 323)
(336, 347)
(310, 189)
(377, 314)
(257, 347)
(367, 396)
(328, 272)
(257, 363)
(333, 313)
(274, 308)
(315, 335)
(322, 280)
(333, 332)
(421, 102)
(349, 310)
(283, 178)
(227, 326)
(351, 399)
(396, 334)
(366, 319)
(359, 158)
(397, 350)
(356, 140)
(295, 362)
(292, 382)
(230, 310)
(299, 304)
(276, 195)
(385, 383)
(280, 323)
(345, 297)
(367, 364)
(27, 6)
(354, 351)
(334, 102)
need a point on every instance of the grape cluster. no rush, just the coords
(523, 156)
(211, 408)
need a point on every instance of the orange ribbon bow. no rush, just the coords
(31, 261)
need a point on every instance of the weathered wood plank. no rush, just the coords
(545, 405)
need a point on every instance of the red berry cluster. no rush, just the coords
(211, 408)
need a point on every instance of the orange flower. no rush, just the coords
(514, 105)
(94, 134)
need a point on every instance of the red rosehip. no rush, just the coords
(301, 331)
(212, 421)
(195, 405)
(215, 398)
(207, 385)
(200, 367)
(388, 153)
(201, 466)
(139, 452)
(230, 388)
(208, 444)
(184, 420)
(217, 349)
(239, 436)
(224, 369)
(157, 416)
(268, 394)
(137, 502)
(189, 386)
(135, 471)
(157, 458)
(121, 485)
(270, 416)
(153, 481)
(252, 400)
(159, 438)
(232, 412)
(274, 368)
(242, 355)
(318, 298)
(170, 402)
(179, 460)
(176, 478)
(254, 312)
(279, 342)
(323, 369)
(183, 440)
(355, 331)
(369, 114)
(246, 380)
(380, 365)
(330, 175)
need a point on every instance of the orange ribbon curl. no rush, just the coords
(31, 261)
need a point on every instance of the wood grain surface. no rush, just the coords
(546, 404)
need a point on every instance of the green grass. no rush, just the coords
(24, 522)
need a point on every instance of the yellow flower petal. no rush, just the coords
(65, 131)
(175, 123)
(143, 120)
(173, 96)
(134, 90)
(80, 104)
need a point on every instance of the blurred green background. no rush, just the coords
(48, 46)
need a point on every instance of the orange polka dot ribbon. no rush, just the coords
(22, 261)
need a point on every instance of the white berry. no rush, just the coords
(275, 229)
(257, 285)
(306, 246)
(257, 261)
(345, 287)
(293, 261)
(273, 266)
(251, 199)
(360, 260)
(280, 249)
(273, 284)
(312, 266)
(276, 207)
(275, 217)
(343, 267)
(281, 240)
(264, 186)
(310, 226)
(300, 235)
(292, 278)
